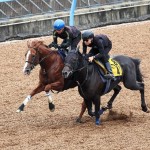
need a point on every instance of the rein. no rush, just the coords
(36, 55)
(87, 74)
(45, 57)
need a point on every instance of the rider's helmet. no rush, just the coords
(59, 24)
(87, 35)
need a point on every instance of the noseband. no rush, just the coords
(78, 70)
(34, 57)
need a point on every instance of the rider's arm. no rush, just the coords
(55, 37)
(100, 48)
(68, 40)
(84, 48)
(54, 43)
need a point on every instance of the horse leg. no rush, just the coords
(143, 104)
(57, 86)
(38, 89)
(50, 102)
(131, 83)
(88, 104)
(97, 109)
(116, 92)
(83, 108)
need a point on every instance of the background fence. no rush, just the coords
(24, 8)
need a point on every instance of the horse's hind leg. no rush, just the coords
(131, 83)
(143, 104)
(116, 92)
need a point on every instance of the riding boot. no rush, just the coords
(109, 74)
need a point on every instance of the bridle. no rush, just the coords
(78, 70)
(34, 57)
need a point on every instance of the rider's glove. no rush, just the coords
(53, 45)
(63, 45)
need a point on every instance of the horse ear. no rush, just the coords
(28, 43)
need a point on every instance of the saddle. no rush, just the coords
(115, 66)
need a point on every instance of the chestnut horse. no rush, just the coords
(50, 74)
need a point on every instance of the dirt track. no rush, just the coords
(126, 128)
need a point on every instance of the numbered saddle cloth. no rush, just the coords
(115, 66)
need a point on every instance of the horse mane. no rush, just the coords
(35, 43)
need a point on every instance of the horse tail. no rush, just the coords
(139, 76)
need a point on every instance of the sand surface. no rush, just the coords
(36, 128)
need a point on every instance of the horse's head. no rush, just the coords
(71, 63)
(32, 56)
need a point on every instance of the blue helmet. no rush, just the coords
(59, 24)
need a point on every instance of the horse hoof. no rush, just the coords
(18, 111)
(51, 107)
(145, 109)
(52, 110)
(78, 120)
(97, 122)
(109, 106)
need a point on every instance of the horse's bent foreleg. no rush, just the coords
(50, 102)
(116, 92)
(38, 89)
(57, 86)
(83, 108)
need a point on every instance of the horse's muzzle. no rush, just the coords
(66, 74)
(27, 71)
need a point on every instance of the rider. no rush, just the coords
(101, 45)
(70, 34)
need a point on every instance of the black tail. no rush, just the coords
(139, 76)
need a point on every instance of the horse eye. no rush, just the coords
(33, 57)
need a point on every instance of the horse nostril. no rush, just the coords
(63, 73)
(27, 71)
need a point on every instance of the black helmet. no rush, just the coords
(87, 35)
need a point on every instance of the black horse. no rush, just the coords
(91, 85)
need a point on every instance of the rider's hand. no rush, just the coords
(49, 46)
(53, 45)
(91, 58)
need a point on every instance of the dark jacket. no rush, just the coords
(100, 46)
(68, 35)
